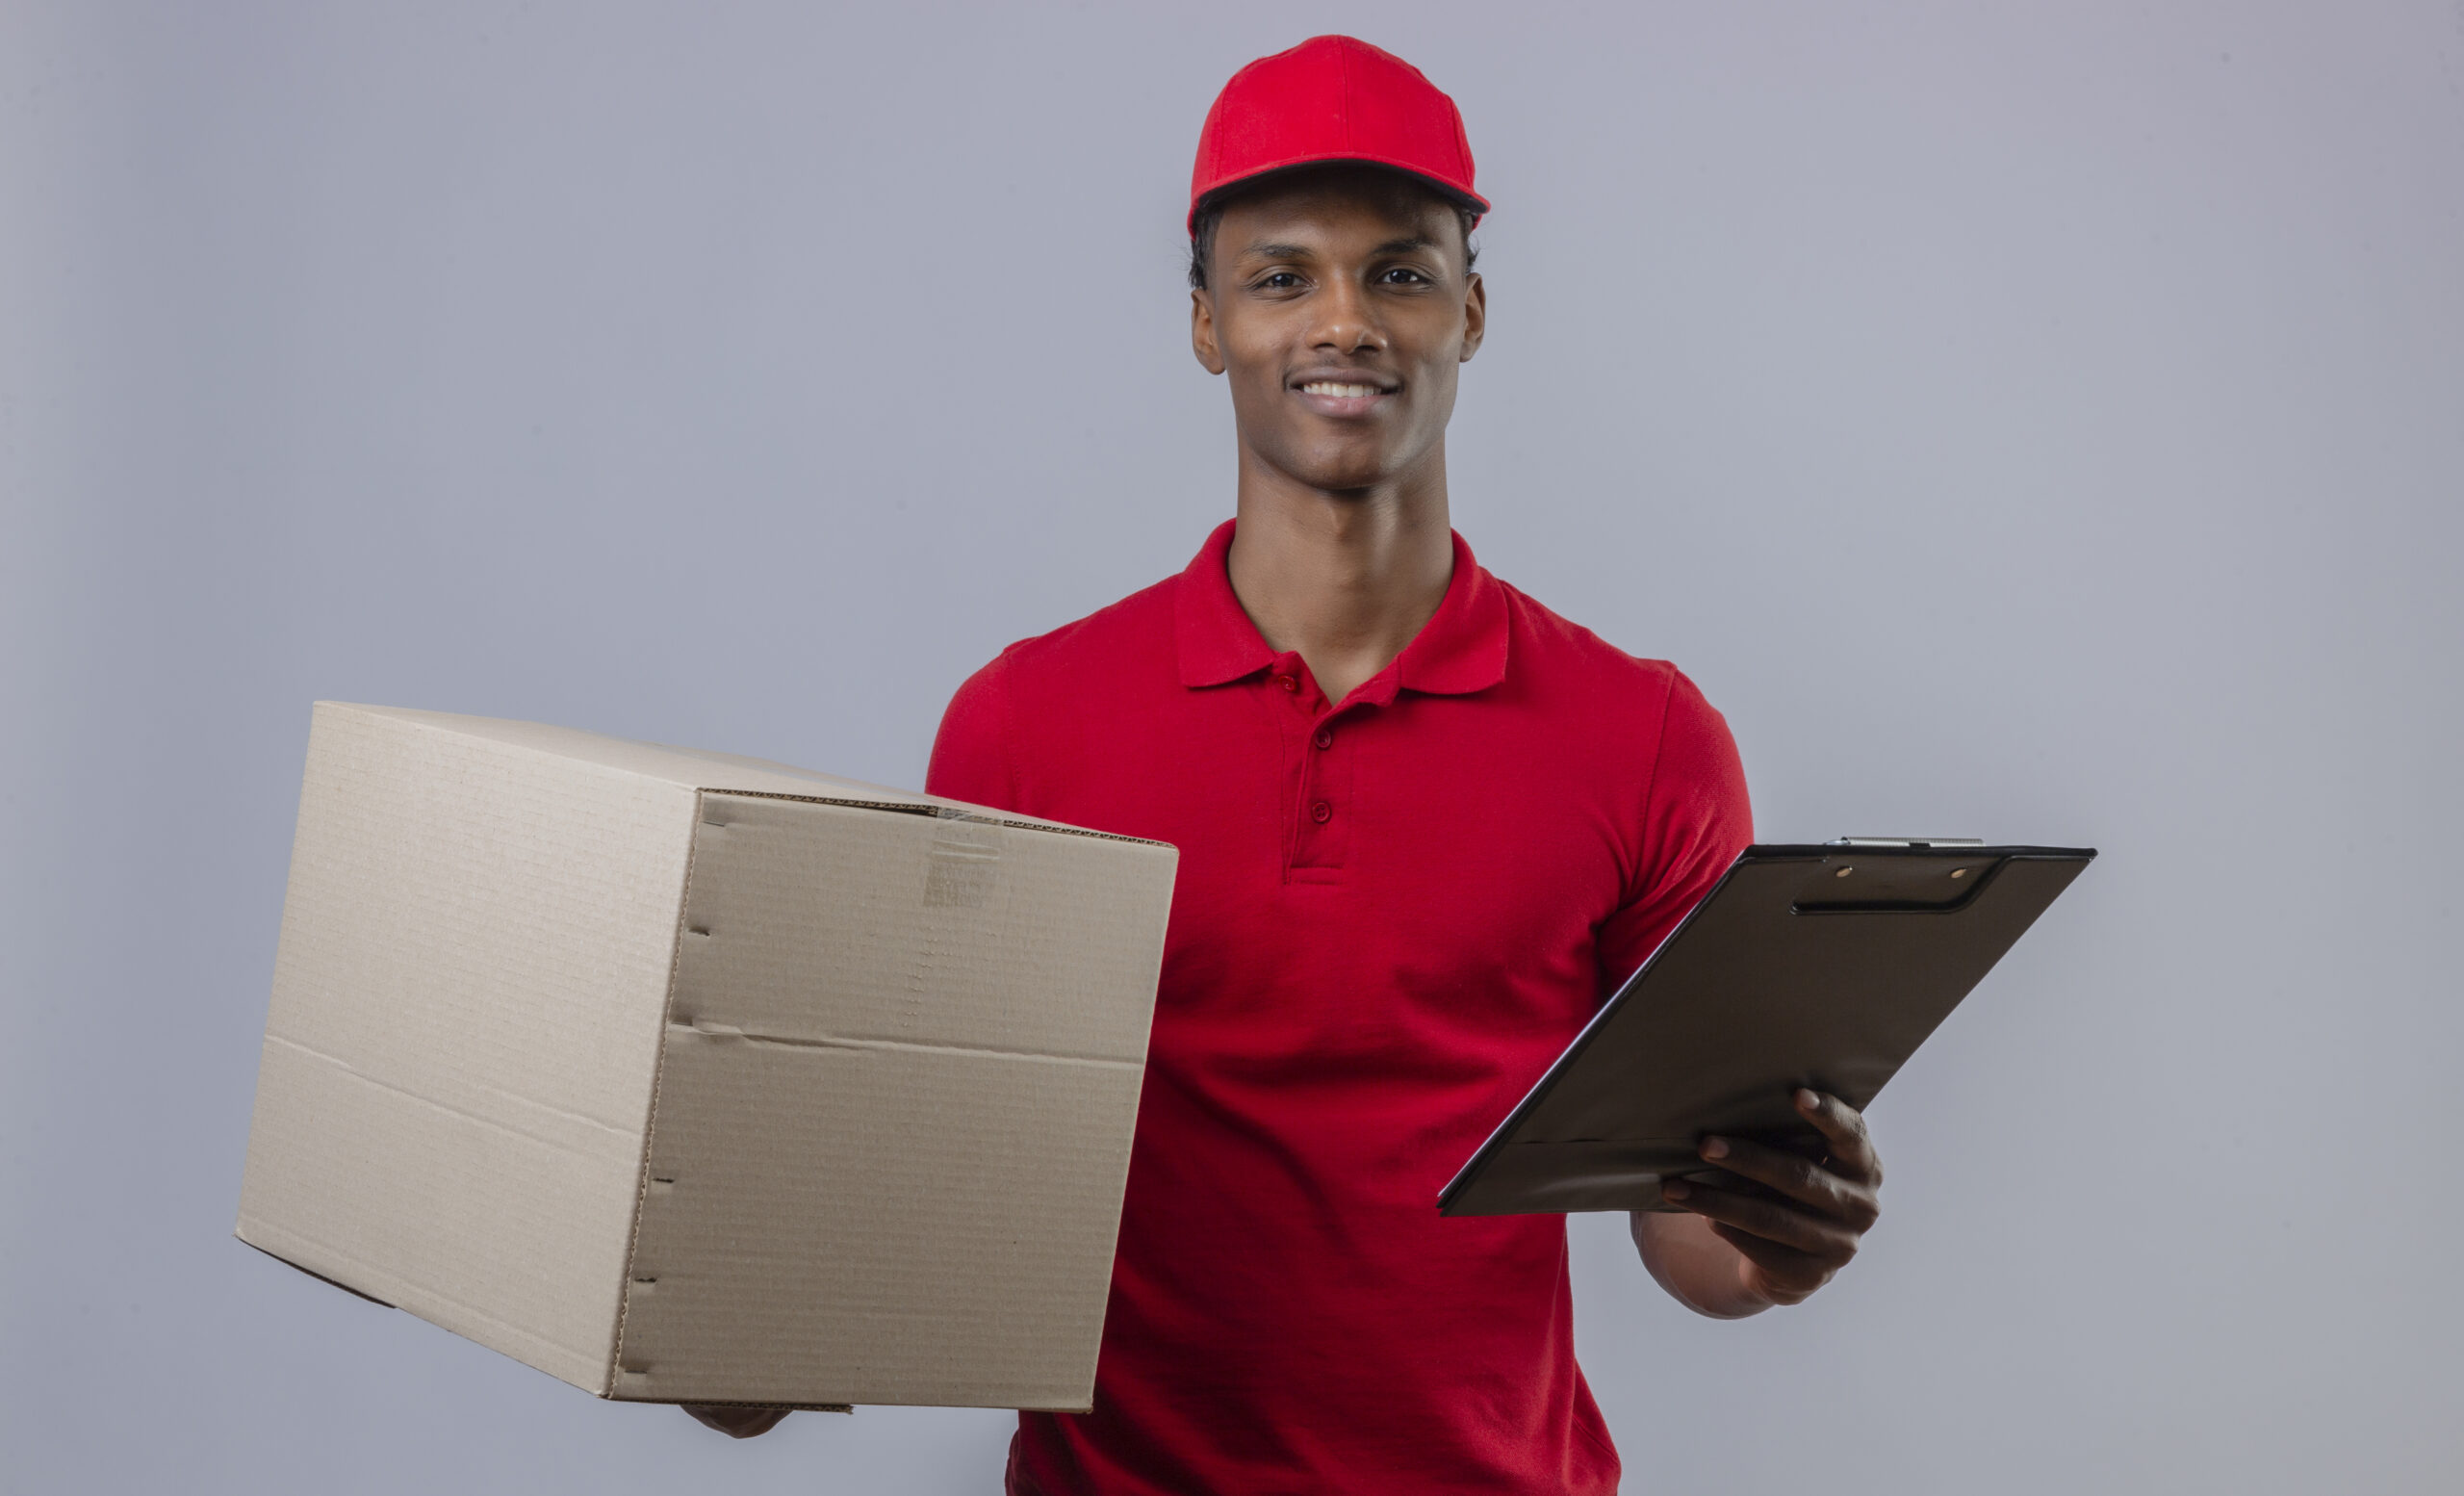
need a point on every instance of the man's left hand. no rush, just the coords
(1794, 1221)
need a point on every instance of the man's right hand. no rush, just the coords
(736, 1420)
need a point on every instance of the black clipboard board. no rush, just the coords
(1821, 965)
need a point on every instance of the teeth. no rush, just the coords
(1346, 391)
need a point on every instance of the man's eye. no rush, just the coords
(1280, 280)
(1401, 275)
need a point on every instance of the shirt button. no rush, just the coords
(1325, 738)
(1289, 683)
(1322, 813)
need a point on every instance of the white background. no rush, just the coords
(2042, 422)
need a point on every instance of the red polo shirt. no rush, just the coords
(1393, 911)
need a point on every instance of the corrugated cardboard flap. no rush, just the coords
(895, 1109)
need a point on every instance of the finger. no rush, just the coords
(1797, 1178)
(1787, 1275)
(736, 1421)
(1775, 1221)
(1852, 1149)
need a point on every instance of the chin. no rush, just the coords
(1344, 480)
(1335, 472)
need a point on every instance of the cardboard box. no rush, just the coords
(687, 1077)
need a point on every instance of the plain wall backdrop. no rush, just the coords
(2042, 422)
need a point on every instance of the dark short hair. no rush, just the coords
(1209, 216)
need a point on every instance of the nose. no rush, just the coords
(1345, 322)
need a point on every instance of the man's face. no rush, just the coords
(1340, 307)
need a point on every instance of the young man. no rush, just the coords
(1424, 824)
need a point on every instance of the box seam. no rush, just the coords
(658, 1077)
(936, 810)
(723, 1033)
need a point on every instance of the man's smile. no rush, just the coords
(1345, 395)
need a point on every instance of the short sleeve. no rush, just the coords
(1695, 820)
(971, 753)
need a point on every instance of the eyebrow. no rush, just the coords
(1277, 252)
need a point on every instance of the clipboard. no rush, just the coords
(1822, 966)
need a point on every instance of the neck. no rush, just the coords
(1345, 579)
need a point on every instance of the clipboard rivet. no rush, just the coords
(1843, 873)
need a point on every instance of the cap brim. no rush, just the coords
(1474, 201)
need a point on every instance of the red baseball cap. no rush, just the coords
(1333, 98)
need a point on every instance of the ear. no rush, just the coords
(1202, 340)
(1475, 315)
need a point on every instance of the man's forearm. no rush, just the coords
(1698, 1269)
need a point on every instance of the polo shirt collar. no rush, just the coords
(1461, 649)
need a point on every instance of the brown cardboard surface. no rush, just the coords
(901, 1071)
(464, 1027)
(895, 1051)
